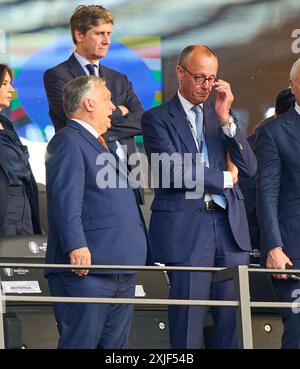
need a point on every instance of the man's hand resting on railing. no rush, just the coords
(81, 256)
(277, 259)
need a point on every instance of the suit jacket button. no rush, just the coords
(241, 147)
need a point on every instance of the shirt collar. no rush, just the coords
(88, 127)
(297, 108)
(83, 62)
(186, 104)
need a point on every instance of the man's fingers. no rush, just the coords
(81, 261)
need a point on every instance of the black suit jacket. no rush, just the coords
(123, 129)
(30, 186)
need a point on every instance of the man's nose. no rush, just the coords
(206, 84)
(106, 39)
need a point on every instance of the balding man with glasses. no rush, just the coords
(210, 229)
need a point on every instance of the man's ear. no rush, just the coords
(78, 36)
(88, 104)
(291, 86)
(179, 72)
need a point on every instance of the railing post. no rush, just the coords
(2, 301)
(243, 316)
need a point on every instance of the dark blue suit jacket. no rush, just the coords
(123, 129)
(30, 187)
(278, 180)
(122, 94)
(175, 220)
(108, 221)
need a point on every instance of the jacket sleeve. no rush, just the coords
(129, 125)
(65, 176)
(241, 153)
(268, 188)
(54, 84)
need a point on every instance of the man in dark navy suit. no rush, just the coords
(278, 204)
(211, 230)
(91, 223)
(91, 28)
(284, 100)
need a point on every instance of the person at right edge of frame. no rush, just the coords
(91, 29)
(210, 231)
(278, 205)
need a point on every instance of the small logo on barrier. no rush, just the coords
(9, 272)
(35, 248)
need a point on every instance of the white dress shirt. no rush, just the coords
(88, 127)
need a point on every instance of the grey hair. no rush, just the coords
(294, 69)
(76, 90)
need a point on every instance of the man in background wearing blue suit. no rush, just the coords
(90, 223)
(211, 230)
(278, 204)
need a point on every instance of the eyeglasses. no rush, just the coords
(199, 80)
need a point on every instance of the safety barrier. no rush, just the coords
(239, 274)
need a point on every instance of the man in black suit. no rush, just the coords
(91, 27)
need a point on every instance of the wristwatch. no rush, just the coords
(228, 122)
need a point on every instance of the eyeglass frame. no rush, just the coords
(204, 79)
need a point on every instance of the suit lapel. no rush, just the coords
(75, 68)
(87, 136)
(292, 124)
(181, 124)
(118, 165)
(105, 74)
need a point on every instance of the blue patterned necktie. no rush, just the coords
(218, 199)
(200, 133)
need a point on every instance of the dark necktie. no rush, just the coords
(103, 143)
(91, 69)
